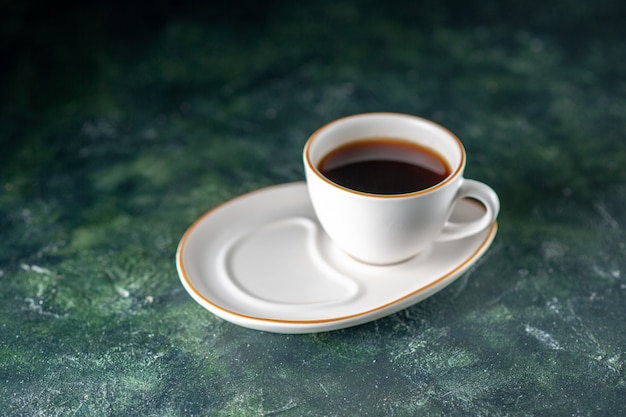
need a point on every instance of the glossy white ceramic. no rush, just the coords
(385, 229)
(263, 261)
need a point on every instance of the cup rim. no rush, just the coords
(453, 174)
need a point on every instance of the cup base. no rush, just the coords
(424, 253)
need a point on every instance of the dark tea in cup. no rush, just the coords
(383, 185)
(385, 166)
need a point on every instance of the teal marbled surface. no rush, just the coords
(118, 130)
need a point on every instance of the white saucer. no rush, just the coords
(262, 261)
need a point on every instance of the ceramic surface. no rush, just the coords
(391, 228)
(263, 261)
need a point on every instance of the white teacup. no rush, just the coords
(390, 228)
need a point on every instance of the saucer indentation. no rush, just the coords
(279, 264)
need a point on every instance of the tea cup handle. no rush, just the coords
(486, 196)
